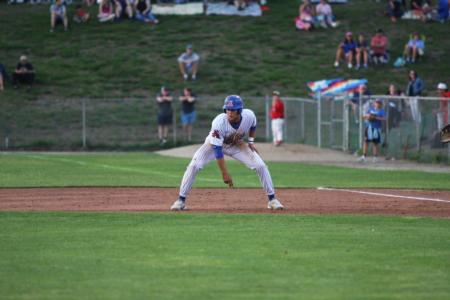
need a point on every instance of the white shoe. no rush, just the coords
(362, 159)
(178, 205)
(375, 159)
(350, 66)
(336, 64)
(274, 204)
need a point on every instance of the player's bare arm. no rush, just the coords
(225, 175)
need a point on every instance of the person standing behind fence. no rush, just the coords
(415, 84)
(188, 113)
(277, 115)
(372, 133)
(165, 114)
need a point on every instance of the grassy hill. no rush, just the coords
(239, 54)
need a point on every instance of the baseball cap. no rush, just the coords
(442, 86)
(276, 93)
(189, 46)
(379, 101)
(348, 33)
(23, 57)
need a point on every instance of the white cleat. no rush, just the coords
(274, 204)
(362, 159)
(178, 205)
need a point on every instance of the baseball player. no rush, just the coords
(277, 115)
(227, 138)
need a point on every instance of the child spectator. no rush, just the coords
(188, 63)
(24, 73)
(305, 19)
(144, 12)
(378, 47)
(188, 113)
(324, 14)
(58, 14)
(2, 77)
(414, 48)
(346, 50)
(80, 16)
(105, 11)
(362, 51)
(373, 117)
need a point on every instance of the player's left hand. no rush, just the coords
(253, 148)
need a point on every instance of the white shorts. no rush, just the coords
(277, 130)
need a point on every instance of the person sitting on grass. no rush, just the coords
(24, 73)
(305, 19)
(58, 15)
(346, 51)
(80, 16)
(188, 63)
(122, 9)
(395, 10)
(414, 49)
(3, 76)
(105, 11)
(378, 48)
(144, 12)
(362, 52)
(324, 14)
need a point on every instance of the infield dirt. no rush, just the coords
(296, 201)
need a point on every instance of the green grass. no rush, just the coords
(239, 54)
(146, 169)
(196, 256)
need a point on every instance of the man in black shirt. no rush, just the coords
(165, 114)
(24, 73)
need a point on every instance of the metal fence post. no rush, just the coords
(319, 120)
(360, 121)
(83, 122)
(174, 121)
(302, 120)
(266, 99)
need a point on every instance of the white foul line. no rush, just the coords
(381, 194)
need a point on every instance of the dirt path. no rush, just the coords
(296, 201)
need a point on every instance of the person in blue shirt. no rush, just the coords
(346, 51)
(374, 118)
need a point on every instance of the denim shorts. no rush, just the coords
(188, 118)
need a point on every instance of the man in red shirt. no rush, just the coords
(277, 115)
(443, 103)
(378, 47)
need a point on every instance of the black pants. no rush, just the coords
(27, 78)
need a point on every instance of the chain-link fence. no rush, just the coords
(411, 129)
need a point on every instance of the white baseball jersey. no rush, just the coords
(223, 134)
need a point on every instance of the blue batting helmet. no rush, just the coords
(233, 102)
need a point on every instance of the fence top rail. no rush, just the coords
(299, 99)
(408, 97)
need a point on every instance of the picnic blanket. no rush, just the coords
(253, 10)
(178, 9)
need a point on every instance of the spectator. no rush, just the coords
(188, 113)
(89, 2)
(415, 84)
(3, 76)
(414, 48)
(443, 104)
(394, 106)
(359, 96)
(421, 9)
(324, 14)
(80, 16)
(105, 11)
(443, 10)
(240, 4)
(165, 114)
(378, 47)
(305, 19)
(362, 51)
(122, 9)
(24, 73)
(346, 50)
(374, 117)
(395, 10)
(188, 63)
(277, 116)
(58, 15)
(144, 12)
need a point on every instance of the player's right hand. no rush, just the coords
(227, 179)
